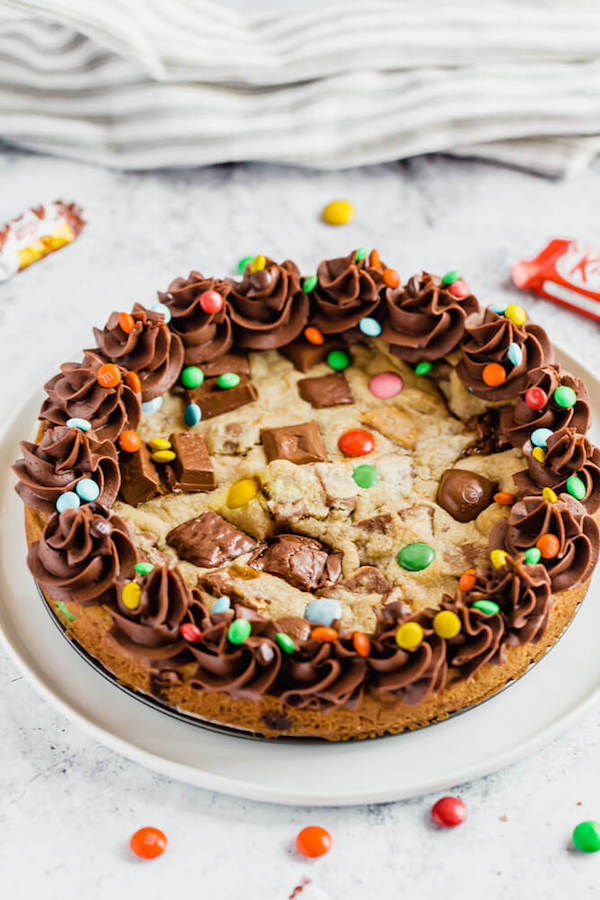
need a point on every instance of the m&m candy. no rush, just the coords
(361, 643)
(159, 444)
(152, 406)
(422, 368)
(493, 375)
(515, 354)
(504, 498)
(81, 424)
(374, 259)
(131, 595)
(285, 642)
(310, 283)
(516, 314)
(324, 634)
(192, 377)
(190, 632)
(536, 398)
(258, 263)
(467, 580)
(242, 492)
(366, 476)
(126, 322)
(564, 396)
(163, 309)
(538, 454)
(451, 276)
(488, 607)
(228, 380)
(415, 557)
(130, 441)
(391, 278)
(133, 380)
(576, 487)
(108, 375)
(239, 631)
(313, 841)
(446, 624)
(87, 489)
(313, 336)
(221, 604)
(148, 842)
(144, 568)
(323, 611)
(211, 302)
(449, 812)
(192, 414)
(68, 500)
(498, 558)
(360, 254)
(356, 442)
(532, 556)
(386, 385)
(548, 545)
(409, 635)
(163, 456)
(586, 837)
(338, 360)
(245, 261)
(370, 327)
(549, 495)
(539, 437)
(459, 289)
(338, 212)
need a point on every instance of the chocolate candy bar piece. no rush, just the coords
(139, 477)
(192, 469)
(325, 391)
(303, 562)
(305, 355)
(299, 443)
(214, 401)
(209, 540)
(228, 362)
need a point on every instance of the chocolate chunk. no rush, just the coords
(228, 362)
(214, 401)
(298, 443)
(464, 494)
(376, 523)
(276, 721)
(297, 628)
(367, 580)
(305, 355)
(325, 391)
(139, 477)
(303, 562)
(209, 540)
(192, 470)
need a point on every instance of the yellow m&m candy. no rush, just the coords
(498, 558)
(163, 456)
(446, 624)
(338, 212)
(538, 454)
(159, 444)
(258, 263)
(516, 314)
(131, 595)
(242, 492)
(409, 636)
(549, 494)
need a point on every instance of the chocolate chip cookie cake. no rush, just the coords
(334, 506)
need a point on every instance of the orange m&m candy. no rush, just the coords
(374, 259)
(133, 380)
(361, 643)
(548, 545)
(148, 842)
(467, 580)
(313, 841)
(126, 322)
(130, 441)
(313, 335)
(324, 633)
(493, 375)
(108, 375)
(391, 278)
(504, 498)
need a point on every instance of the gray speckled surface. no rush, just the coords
(67, 805)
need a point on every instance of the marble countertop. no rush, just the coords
(68, 805)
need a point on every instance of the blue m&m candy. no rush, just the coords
(87, 489)
(515, 354)
(323, 611)
(161, 308)
(370, 327)
(192, 414)
(539, 437)
(68, 500)
(82, 424)
(221, 604)
(152, 406)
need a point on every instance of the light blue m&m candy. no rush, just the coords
(539, 437)
(221, 604)
(152, 406)
(515, 354)
(68, 500)
(161, 308)
(370, 327)
(82, 424)
(87, 489)
(499, 309)
(192, 414)
(323, 611)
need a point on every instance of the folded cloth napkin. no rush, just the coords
(143, 83)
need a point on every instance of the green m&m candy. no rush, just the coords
(338, 360)
(360, 254)
(422, 368)
(366, 476)
(228, 380)
(488, 607)
(243, 263)
(564, 396)
(310, 283)
(143, 568)
(532, 556)
(586, 837)
(192, 377)
(239, 631)
(576, 487)
(285, 642)
(415, 557)
(451, 276)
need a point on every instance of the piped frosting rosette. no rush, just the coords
(206, 332)
(268, 306)
(347, 290)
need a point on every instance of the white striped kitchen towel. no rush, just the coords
(150, 83)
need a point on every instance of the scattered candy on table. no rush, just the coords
(446, 624)
(148, 842)
(87, 490)
(242, 492)
(190, 632)
(323, 611)
(366, 476)
(228, 380)
(239, 631)
(108, 375)
(409, 635)
(356, 442)
(449, 812)
(386, 385)
(211, 302)
(313, 841)
(338, 360)
(130, 441)
(370, 327)
(285, 642)
(338, 212)
(192, 377)
(221, 604)
(586, 836)
(68, 500)
(313, 335)
(415, 557)
(192, 414)
(81, 424)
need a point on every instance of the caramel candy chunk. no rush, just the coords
(303, 562)
(379, 523)
(209, 540)
(298, 443)
(395, 424)
(139, 477)
(228, 362)
(304, 355)
(214, 401)
(464, 494)
(326, 390)
(192, 469)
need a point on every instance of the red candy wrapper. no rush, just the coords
(567, 272)
(36, 233)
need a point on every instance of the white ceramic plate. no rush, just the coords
(516, 722)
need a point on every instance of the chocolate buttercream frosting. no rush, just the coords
(480, 641)
(425, 321)
(55, 465)
(568, 453)
(325, 675)
(152, 630)
(268, 307)
(205, 336)
(487, 339)
(75, 393)
(82, 554)
(150, 349)
(347, 290)
(518, 421)
(577, 533)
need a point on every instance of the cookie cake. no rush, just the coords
(329, 506)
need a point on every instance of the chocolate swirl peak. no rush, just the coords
(577, 533)
(151, 631)
(64, 456)
(425, 321)
(518, 421)
(149, 348)
(488, 337)
(347, 291)
(205, 335)
(480, 640)
(568, 453)
(268, 306)
(325, 675)
(81, 555)
(75, 393)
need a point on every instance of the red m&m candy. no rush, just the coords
(459, 289)
(148, 842)
(449, 812)
(190, 632)
(356, 442)
(313, 841)
(536, 398)
(211, 302)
